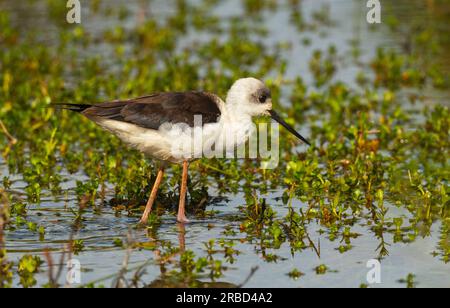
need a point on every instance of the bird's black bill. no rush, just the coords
(277, 118)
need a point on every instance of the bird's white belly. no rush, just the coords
(179, 142)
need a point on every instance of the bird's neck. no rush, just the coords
(233, 114)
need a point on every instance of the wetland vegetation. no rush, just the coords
(373, 99)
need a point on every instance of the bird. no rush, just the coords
(157, 124)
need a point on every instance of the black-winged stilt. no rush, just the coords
(152, 123)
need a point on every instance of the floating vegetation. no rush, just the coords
(375, 180)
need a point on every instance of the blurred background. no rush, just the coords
(373, 98)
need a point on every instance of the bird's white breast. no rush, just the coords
(178, 142)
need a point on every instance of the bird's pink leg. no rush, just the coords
(151, 200)
(182, 237)
(181, 207)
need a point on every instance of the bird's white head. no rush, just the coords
(250, 96)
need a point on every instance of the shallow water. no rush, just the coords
(100, 258)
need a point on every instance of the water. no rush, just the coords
(101, 257)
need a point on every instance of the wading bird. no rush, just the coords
(151, 124)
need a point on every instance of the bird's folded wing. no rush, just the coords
(154, 110)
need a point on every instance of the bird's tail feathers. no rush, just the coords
(71, 107)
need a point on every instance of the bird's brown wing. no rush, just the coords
(154, 110)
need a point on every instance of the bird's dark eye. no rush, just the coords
(262, 98)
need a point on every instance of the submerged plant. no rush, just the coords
(378, 168)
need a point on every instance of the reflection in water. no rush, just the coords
(154, 247)
(170, 280)
(182, 236)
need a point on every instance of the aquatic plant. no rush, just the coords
(378, 167)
